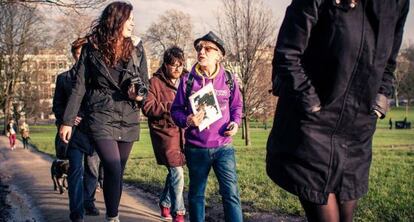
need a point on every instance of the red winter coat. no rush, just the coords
(167, 138)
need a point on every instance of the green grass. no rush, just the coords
(390, 197)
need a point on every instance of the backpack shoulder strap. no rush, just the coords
(229, 80)
(189, 85)
(230, 83)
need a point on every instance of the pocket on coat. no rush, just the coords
(99, 103)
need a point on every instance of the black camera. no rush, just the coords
(139, 85)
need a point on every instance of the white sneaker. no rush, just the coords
(112, 219)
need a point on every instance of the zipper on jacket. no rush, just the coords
(345, 99)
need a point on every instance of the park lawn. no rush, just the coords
(390, 197)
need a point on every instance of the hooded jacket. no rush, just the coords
(166, 137)
(110, 114)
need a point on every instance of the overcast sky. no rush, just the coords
(203, 13)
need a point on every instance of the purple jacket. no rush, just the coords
(213, 136)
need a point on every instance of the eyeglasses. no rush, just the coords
(176, 67)
(207, 48)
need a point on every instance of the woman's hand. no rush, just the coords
(65, 132)
(132, 94)
(195, 120)
(232, 129)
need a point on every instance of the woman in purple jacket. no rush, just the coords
(212, 146)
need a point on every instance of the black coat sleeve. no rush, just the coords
(60, 98)
(301, 16)
(78, 90)
(386, 89)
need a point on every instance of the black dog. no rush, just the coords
(59, 172)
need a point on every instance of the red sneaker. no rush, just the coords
(165, 212)
(178, 218)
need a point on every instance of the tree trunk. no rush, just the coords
(242, 127)
(7, 115)
(247, 136)
(397, 103)
(245, 120)
(406, 108)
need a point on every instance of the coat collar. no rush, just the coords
(96, 59)
(160, 73)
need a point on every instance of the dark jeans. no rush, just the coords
(25, 141)
(82, 180)
(114, 156)
(222, 160)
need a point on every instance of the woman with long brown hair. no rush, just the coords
(111, 80)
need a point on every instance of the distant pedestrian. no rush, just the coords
(166, 137)
(11, 133)
(25, 134)
(390, 123)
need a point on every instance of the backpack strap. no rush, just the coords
(189, 85)
(230, 83)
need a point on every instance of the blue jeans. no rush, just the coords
(199, 163)
(81, 182)
(172, 196)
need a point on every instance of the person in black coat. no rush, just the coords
(112, 77)
(332, 70)
(83, 160)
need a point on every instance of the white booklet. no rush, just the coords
(205, 99)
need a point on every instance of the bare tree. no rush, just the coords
(248, 29)
(400, 73)
(74, 5)
(18, 35)
(406, 86)
(66, 29)
(262, 100)
(173, 27)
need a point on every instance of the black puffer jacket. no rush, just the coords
(109, 113)
(342, 59)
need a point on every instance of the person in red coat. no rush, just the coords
(166, 137)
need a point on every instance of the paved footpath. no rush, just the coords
(27, 172)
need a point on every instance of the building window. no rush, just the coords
(44, 78)
(43, 65)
